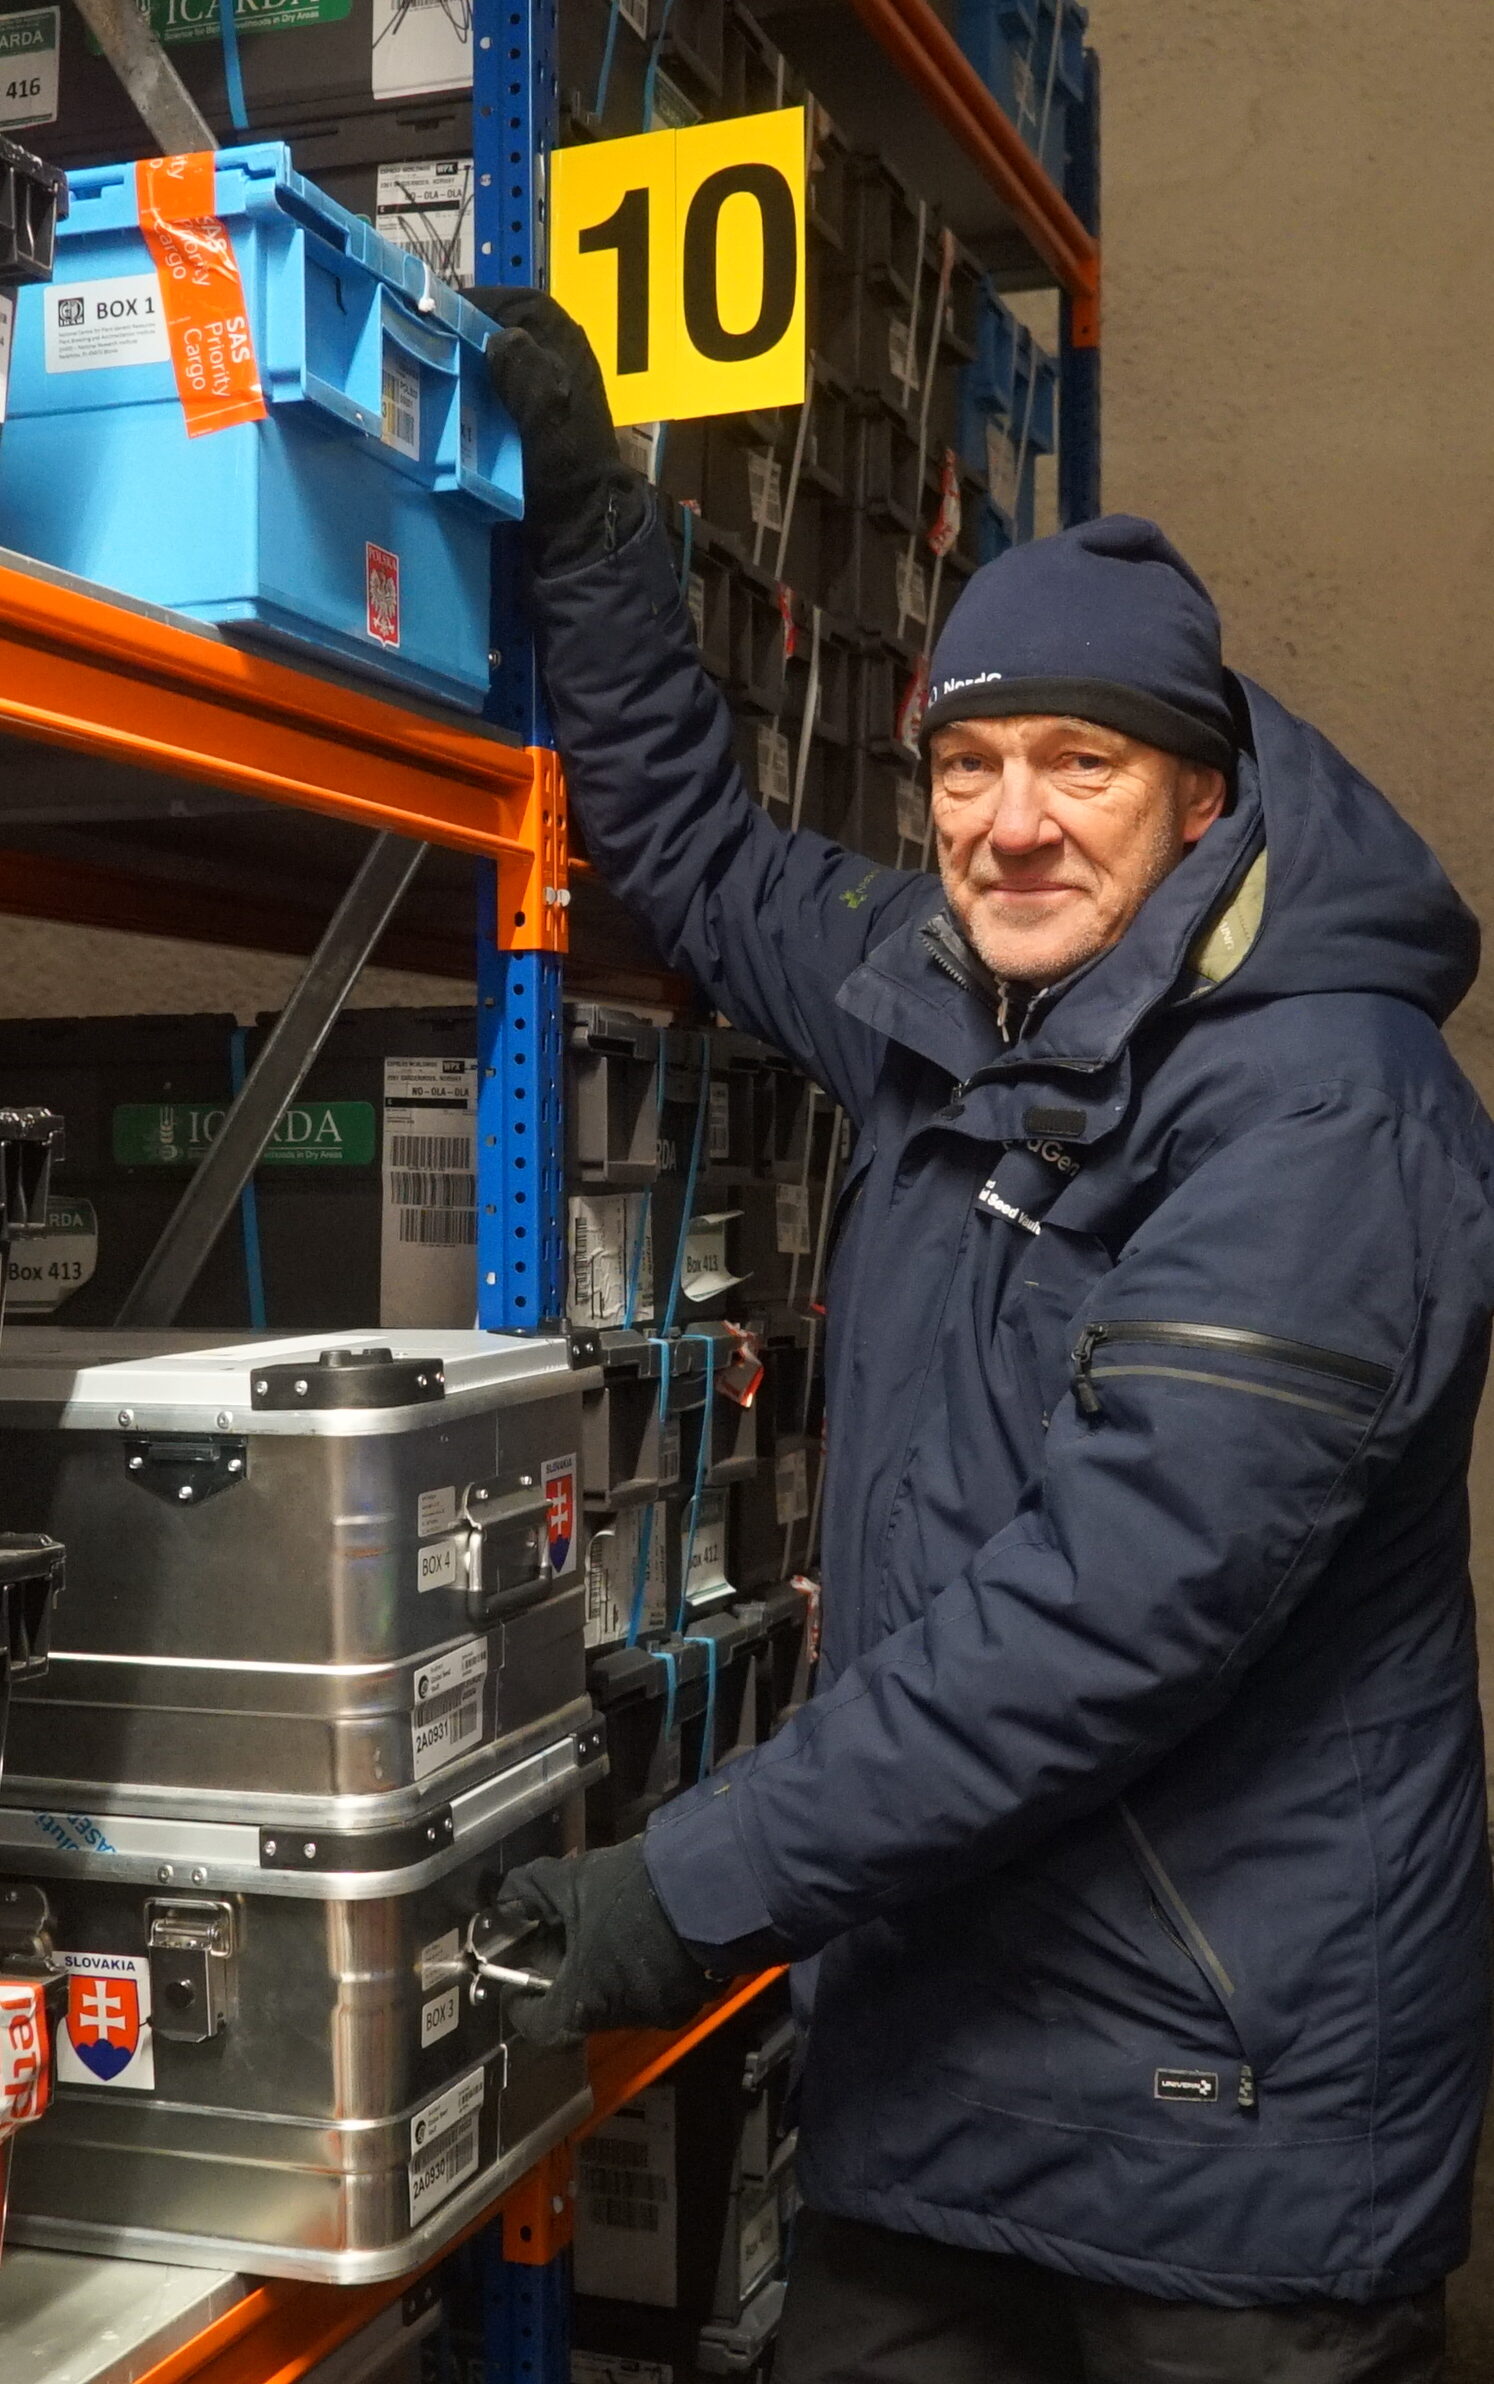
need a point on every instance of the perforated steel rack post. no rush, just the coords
(520, 1186)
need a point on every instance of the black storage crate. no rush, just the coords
(33, 200)
(647, 1697)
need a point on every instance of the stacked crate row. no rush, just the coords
(702, 1174)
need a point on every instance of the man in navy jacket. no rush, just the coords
(1136, 1830)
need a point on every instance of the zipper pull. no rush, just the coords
(1003, 1009)
(1086, 1397)
(1247, 2088)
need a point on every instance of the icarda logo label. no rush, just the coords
(180, 1133)
(105, 2039)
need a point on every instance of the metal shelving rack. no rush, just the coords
(114, 712)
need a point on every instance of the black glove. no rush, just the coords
(580, 500)
(604, 1940)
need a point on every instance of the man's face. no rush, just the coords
(1052, 833)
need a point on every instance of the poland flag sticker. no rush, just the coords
(105, 2039)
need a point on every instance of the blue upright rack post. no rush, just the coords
(1079, 354)
(520, 1184)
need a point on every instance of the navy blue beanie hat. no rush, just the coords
(1105, 622)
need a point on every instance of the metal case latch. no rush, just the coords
(510, 1551)
(184, 1468)
(190, 1948)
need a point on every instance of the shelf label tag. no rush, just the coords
(682, 253)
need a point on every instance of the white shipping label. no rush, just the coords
(439, 1565)
(91, 326)
(600, 2367)
(912, 813)
(704, 1273)
(695, 598)
(105, 2038)
(758, 2244)
(439, 1959)
(428, 1239)
(669, 1451)
(707, 1556)
(791, 1488)
(46, 1268)
(765, 490)
(718, 1119)
(420, 45)
(427, 209)
(447, 1717)
(638, 445)
(912, 589)
(401, 405)
(774, 766)
(29, 47)
(901, 357)
(1001, 467)
(673, 108)
(435, 1511)
(627, 2201)
(616, 1565)
(634, 14)
(793, 1220)
(441, 2016)
(444, 2145)
(611, 1259)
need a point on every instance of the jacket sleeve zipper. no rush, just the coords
(1229, 1340)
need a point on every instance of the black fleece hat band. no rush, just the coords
(1129, 709)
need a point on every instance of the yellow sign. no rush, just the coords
(682, 253)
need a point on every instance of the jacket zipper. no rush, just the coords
(1233, 1340)
(1195, 1943)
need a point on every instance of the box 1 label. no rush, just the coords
(92, 326)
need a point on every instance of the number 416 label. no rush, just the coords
(28, 67)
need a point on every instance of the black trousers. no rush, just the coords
(866, 2306)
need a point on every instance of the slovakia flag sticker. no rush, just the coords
(106, 2038)
(559, 1478)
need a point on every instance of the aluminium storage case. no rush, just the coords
(305, 1581)
(280, 2052)
(354, 519)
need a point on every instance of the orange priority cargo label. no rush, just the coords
(202, 293)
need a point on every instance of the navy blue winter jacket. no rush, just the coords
(1139, 1819)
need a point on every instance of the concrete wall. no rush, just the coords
(1298, 366)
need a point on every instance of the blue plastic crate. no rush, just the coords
(1008, 412)
(383, 439)
(1030, 56)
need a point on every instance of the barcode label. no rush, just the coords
(430, 1150)
(765, 491)
(612, 1259)
(627, 2202)
(429, 1230)
(618, 2187)
(414, 1190)
(791, 1488)
(774, 783)
(448, 2163)
(445, 1729)
(433, 1229)
(425, 207)
(612, 1569)
(793, 1220)
(401, 406)
(912, 589)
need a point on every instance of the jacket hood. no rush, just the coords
(1354, 900)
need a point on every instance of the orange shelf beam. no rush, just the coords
(280, 2330)
(927, 55)
(109, 679)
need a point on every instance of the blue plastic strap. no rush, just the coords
(646, 1528)
(635, 1258)
(702, 1463)
(687, 543)
(667, 1657)
(696, 1141)
(233, 72)
(708, 1742)
(651, 79)
(609, 52)
(254, 1271)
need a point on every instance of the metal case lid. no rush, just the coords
(106, 1380)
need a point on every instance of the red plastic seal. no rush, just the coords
(202, 293)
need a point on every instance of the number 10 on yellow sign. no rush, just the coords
(682, 253)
